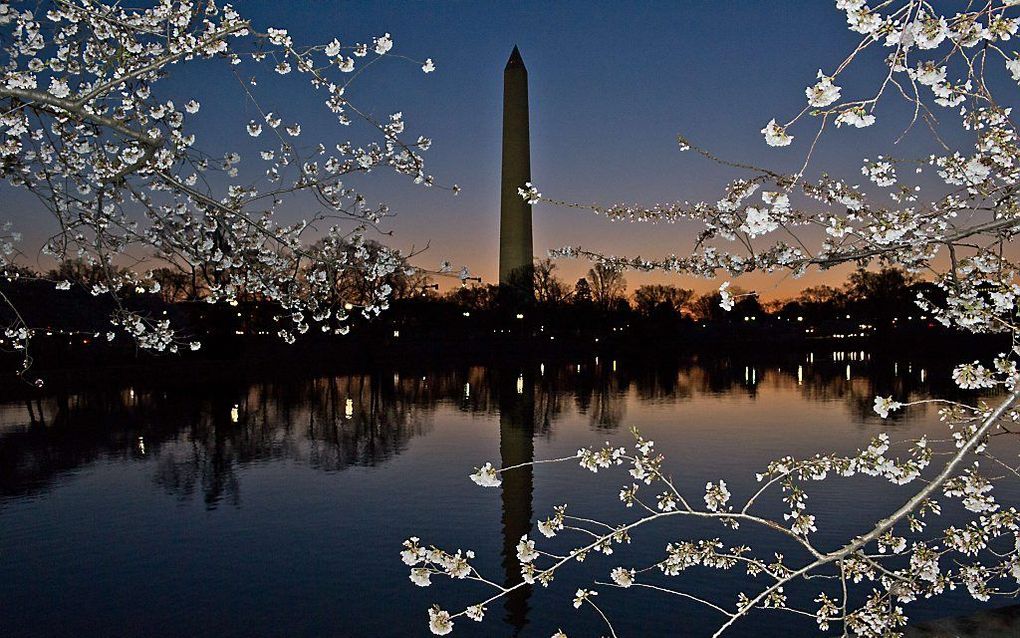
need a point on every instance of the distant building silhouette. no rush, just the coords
(515, 239)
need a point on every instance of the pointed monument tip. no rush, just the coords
(515, 59)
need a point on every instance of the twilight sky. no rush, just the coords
(611, 84)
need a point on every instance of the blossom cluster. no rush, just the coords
(90, 125)
(950, 216)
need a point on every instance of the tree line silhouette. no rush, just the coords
(597, 308)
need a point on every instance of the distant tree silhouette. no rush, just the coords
(882, 295)
(607, 284)
(412, 285)
(79, 271)
(175, 285)
(748, 306)
(341, 276)
(16, 271)
(582, 292)
(822, 295)
(474, 297)
(706, 307)
(549, 289)
(656, 300)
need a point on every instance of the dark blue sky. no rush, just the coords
(611, 85)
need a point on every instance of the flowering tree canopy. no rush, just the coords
(957, 66)
(91, 124)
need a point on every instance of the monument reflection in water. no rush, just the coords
(516, 446)
(238, 448)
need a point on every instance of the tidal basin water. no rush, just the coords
(279, 508)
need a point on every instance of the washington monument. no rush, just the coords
(515, 247)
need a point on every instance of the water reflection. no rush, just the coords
(194, 441)
(201, 435)
(516, 446)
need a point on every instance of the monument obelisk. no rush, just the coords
(515, 244)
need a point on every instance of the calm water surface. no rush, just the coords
(278, 509)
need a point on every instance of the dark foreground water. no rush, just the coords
(278, 509)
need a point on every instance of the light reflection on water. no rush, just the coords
(279, 508)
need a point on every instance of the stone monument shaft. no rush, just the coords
(515, 242)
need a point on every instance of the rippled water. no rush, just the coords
(278, 509)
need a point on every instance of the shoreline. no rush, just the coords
(266, 359)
